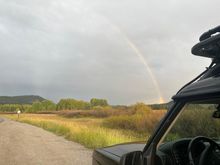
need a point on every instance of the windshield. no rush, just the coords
(79, 75)
(195, 120)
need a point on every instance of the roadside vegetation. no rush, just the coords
(196, 120)
(89, 132)
(97, 125)
(50, 106)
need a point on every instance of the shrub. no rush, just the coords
(143, 122)
(45, 105)
(98, 102)
(14, 107)
(72, 104)
(100, 113)
(194, 122)
(141, 107)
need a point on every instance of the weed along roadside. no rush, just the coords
(93, 132)
(87, 132)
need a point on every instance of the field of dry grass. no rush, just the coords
(94, 131)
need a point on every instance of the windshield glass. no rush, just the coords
(195, 120)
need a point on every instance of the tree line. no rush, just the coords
(63, 104)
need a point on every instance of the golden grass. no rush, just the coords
(141, 121)
(87, 131)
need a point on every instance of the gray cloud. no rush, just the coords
(71, 48)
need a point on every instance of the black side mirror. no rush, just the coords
(216, 114)
(132, 158)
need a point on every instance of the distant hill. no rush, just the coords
(27, 99)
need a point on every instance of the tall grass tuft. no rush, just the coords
(141, 122)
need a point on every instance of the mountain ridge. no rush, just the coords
(21, 99)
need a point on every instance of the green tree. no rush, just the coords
(13, 107)
(98, 102)
(36, 106)
(48, 105)
(72, 104)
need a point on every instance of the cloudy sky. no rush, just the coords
(83, 49)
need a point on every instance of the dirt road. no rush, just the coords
(23, 144)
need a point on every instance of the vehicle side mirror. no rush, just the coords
(132, 158)
(216, 114)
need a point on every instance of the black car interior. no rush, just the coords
(197, 151)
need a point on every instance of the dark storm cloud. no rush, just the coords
(70, 48)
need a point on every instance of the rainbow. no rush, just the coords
(142, 59)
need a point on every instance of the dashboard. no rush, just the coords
(176, 152)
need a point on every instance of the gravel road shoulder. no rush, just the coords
(23, 144)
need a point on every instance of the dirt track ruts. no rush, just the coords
(23, 144)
